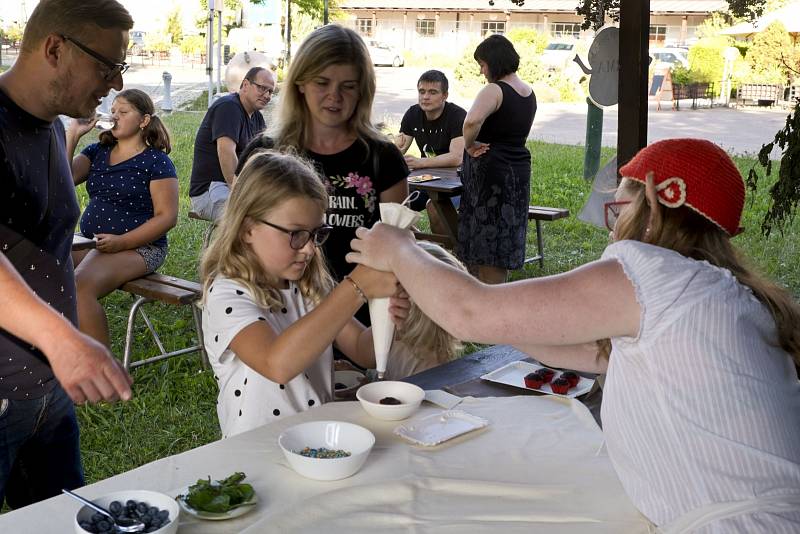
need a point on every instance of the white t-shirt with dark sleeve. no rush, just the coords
(702, 407)
(246, 398)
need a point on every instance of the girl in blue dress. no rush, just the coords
(133, 202)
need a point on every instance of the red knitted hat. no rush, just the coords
(696, 173)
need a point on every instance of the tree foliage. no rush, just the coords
(773, 50)
(785, 192)
(312, 8)
(174, 27)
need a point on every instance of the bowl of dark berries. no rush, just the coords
(158, 512)
(390, 400)
(326, 450)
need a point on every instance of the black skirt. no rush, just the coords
(493, 215)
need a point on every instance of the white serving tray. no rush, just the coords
(439, 427)
(513, 374)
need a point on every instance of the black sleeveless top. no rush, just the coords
(512, 122)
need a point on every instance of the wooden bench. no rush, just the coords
(212, 226)
(539, 214)
(169, 290)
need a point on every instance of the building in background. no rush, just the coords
(449, 25)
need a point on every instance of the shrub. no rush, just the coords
(193, 44)
(706, 60)
(771, 48)
(157, 42)
(528, 37)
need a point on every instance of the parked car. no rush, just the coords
(558, 55)
(383, 54)
(676, 57)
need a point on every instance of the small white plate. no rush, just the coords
(513, 374)
(211, 516)
(436, 428)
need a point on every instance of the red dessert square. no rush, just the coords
(546, 374)
(572, 377)
(533, 380)
(560, 386)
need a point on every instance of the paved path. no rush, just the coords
(740, 131)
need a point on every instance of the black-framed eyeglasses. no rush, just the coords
(612, 211)
(262, 88)
(299, 238)
(114, 69)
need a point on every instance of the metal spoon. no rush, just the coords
(122, 525)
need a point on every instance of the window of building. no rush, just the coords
(658, 34)
(493, 26)
(426, 27)
(565, 29)
(364, 27)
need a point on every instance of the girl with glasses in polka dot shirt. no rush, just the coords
(271, 311)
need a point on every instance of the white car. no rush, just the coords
(383, 54)
(557, 56)
(676, 57)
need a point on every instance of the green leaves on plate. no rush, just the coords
(220, 496)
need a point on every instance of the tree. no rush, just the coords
(174, 28)
(312, 8)
(772, 50)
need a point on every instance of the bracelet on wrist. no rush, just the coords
(358, 290)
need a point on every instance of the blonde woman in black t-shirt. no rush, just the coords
(324, 113)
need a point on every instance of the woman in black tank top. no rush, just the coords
(493, 216)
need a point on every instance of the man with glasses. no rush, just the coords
(72, 54)
(230, 123)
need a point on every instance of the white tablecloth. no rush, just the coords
(539, 466)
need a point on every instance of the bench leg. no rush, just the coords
(163, 354)
(126, 355)
(540, 242)
(198, 326)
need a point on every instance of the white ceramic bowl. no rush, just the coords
(153, 498)
(370, 395)
(334, 435)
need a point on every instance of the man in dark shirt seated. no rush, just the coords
(230, 123)
(437, 127)
(434, 123)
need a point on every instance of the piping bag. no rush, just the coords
(401, 216)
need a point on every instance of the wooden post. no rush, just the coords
(634, 30)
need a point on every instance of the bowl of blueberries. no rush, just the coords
(326, 450)
(158, 512)
(390, 400)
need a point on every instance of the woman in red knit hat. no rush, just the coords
(701, 405)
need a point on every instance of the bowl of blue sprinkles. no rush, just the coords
(159, 512)
(326, 450)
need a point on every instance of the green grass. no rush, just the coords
(173, 408)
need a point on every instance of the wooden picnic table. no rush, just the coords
(441, 192)
(79, 242)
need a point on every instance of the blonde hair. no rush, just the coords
(692, 235)
(267, 180)
(325, 46)
(78, 20)
(421, 334)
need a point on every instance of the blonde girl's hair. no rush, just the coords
(155, 134)
(267, 180)
(692, 235)
(325, 46)
(421, 334)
